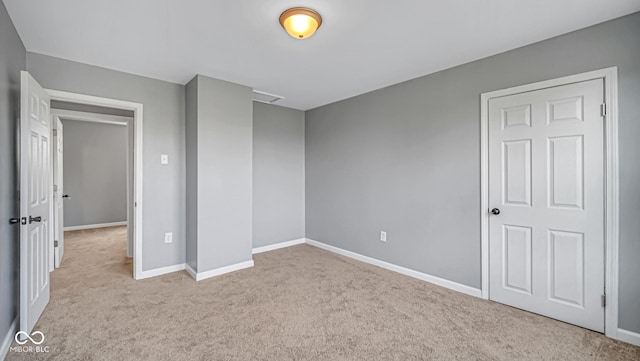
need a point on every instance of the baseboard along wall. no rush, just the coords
(8, 339)
(275, 246)
(628, 336)
(162, 270)
(402, 270)
(199, 276)
(386, 265)
(98, 225)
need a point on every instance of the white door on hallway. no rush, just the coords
(546, 182)
(35, 201)
(58, 191)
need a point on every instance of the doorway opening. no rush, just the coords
(121, 195)
(92, 172)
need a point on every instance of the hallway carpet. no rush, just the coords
(298, 303)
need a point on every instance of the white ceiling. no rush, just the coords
(362, 45)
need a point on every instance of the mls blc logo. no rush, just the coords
(29, 338)
(36, 338)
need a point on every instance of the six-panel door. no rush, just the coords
(546, 175)
(35, 201)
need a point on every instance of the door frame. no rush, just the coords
(611, 221)
(137, 109)
(54, 166)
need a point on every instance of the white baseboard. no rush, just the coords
(162, 271)
(629, 336)
(405, 271)
(275, 246)
(8, 339)
(91, 226)
(191, 271)
(199, 276)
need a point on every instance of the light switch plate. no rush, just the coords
(164, 159)
(168, 237)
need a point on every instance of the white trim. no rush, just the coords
(610, 77)
(97, 225)
(402, 270)
(191, 271)
(55, 132)
(138, 123)
(162, 270)
(91, 117)
(611, 224)
(275, 246)
(628, 336)
(8, 339)
(199, 276)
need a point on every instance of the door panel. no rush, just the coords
(566, 267)
(546, 175)
(517, 258)
(565, 172)
(35, 201)
(517, 172)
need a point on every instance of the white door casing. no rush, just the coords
(35, 201)
(138, 157)
(58, 190)
(546, 176)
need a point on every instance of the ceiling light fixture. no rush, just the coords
(300, 23)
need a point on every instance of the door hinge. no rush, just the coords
(55, 132)
(603, 109)
(603, 300)
(55, 243)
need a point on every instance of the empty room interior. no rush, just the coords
(319, 180)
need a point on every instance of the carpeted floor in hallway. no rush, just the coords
(297, 303)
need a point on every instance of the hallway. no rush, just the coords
(93, 257)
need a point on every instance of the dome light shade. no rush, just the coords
(300, 23)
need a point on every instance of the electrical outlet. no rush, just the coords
(164, 159)
(383, 236)
(168, 237)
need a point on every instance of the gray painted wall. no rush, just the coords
(191, 133)
(406, 159)
(95, 173)
(278, 174)
(12, 61)
(163, 197)
(223, 160)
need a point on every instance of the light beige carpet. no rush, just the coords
(298, 303)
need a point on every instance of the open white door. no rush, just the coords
(58, 191)
(35, 201)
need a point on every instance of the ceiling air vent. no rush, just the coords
(263, 97)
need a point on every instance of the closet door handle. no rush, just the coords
(35, 219)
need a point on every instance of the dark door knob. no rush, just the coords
(34, 219)
(14, 221)
(495, 211)
(65, 196)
